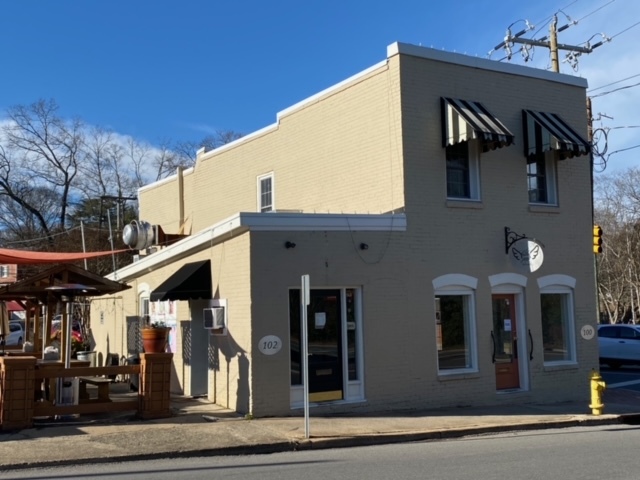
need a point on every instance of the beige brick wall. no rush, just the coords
(363, 148)
(340, 153)
(230, 379)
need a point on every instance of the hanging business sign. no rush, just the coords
(527, 254)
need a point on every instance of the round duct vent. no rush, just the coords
(138, 235)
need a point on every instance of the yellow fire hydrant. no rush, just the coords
(597, 387)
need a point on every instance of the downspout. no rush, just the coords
(180, 199)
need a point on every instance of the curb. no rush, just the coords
(322, 443)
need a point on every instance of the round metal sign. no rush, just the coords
(527, 254)
(270, 345)
(588, 332)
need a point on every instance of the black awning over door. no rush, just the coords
(190, 282)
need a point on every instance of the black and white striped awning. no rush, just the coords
(463, 120)
(547, 131)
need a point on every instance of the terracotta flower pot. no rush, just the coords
(154, 340)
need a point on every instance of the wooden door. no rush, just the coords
(505, 342)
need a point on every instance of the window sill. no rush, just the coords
(445, 377)
(551, 367)
(475, 204)
(544, 209)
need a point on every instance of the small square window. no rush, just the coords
(463, 177)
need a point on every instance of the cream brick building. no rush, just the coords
(405, 193)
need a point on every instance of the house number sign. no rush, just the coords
(270, 345)
(588, 332)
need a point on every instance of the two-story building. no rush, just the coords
(440, 205)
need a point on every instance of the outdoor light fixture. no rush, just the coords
(288, 244)
(364, 246)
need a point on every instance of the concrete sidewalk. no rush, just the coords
(201, 428)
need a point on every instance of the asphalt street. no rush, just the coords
(627, 377)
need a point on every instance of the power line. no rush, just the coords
(626, 29)
(613, 83)
(32, 240)
(615, 90)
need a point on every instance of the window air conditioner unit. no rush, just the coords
(214, 320)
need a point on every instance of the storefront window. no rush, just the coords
(453, 332)
(556, 327)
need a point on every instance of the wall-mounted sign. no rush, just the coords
(588, 332)
(320, 320)
(528, 254)
(270, 345)
(507, 324)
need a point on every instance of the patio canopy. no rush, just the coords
(35, 287)
(22, 257)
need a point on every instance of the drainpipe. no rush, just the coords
(180, 199)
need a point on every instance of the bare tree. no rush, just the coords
(617, 200)
(44, 150)
(56, 173)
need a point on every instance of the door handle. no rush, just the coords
(515, 348)
(531, 340)
(493, 339)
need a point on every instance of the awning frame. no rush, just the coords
(190, 282)
(464, 120)
(545, 131)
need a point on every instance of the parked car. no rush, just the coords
(76, 329)
(619, 344)
(16, 334)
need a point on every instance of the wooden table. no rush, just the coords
(48, 392)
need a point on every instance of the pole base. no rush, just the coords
(596, 409)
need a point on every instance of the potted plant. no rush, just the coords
(154, 337)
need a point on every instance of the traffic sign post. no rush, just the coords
(304, 364)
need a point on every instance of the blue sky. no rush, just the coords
(178, 70)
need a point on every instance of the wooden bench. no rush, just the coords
(100, 382)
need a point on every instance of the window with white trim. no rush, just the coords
(455, 329)
(463, 171)
(265, 193)
(4, 271)
(557, 317)
(541, 178)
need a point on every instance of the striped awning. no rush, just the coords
(463, 120)
(547, 131)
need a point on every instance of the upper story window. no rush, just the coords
(463, 176)
(547, 140)
(265, 193)
(541, 178)
(5, 271)
(467, 129)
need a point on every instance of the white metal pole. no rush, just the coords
(304, 364)
(84, 248)
(113, 257)
(67, 335)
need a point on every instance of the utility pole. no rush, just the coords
(552, 43)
